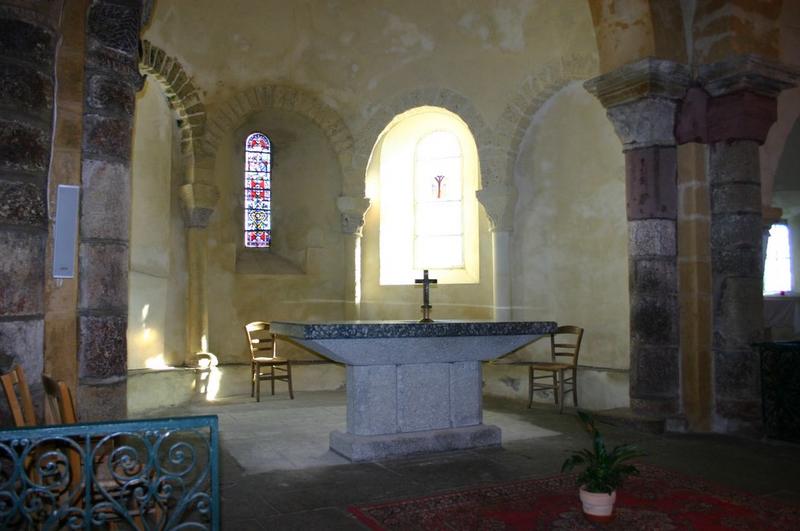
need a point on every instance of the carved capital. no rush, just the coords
(498, 200)
(744, 91)
(353, 210)
(198, 201)
(648, 78)
(641, 99)
(647, 122)
(750, 73)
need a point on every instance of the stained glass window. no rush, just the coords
(438, 213)
(257, 199)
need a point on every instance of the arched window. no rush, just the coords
(257, 198)
(438, 213)
(424, 187)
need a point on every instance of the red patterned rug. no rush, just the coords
(657, 500)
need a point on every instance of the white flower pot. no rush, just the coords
(598, 506)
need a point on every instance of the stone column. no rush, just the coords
(27, 51)
(353, 210)
(641, 100)
(742, 108)
(198, 201)
(111, 81)
(498, 201)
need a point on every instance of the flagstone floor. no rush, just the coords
(277, 471)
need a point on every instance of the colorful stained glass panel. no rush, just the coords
(257, 193)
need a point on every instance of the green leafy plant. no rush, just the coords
(603, 471)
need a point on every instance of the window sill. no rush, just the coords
(264, 262)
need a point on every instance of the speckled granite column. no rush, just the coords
(741, 110)
(27, 52)
(641, 99)
(112, 78)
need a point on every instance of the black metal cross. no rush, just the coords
(426, 295)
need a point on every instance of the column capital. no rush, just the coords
(770, 215)
(647, 78)
(743, 98)
(352, 210)
(198, 201)
(499, 199)
(642, 100)
(750, 73)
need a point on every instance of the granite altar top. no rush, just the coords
(401, 329)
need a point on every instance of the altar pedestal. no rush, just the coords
(412, 387)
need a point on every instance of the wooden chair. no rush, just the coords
(263, 353)
(22, 411)
(565, 345)
(62, 407)
(59, 399)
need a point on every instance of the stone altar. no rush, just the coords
(412, 387)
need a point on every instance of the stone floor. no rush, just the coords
(277, 473)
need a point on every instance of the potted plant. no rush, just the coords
(603, 472)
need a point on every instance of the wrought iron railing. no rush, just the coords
(143, 474)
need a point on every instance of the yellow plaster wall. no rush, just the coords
(569, 244)
(355, 55)
(157, 276)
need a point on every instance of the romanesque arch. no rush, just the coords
(538, 87)
(181, 92)
(384, 114)
(230, 113)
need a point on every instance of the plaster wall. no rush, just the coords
(301, 276)
(157, 278)
(355, 55)
(569, 243)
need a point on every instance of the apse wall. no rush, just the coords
(157, 276)
(300, 276)
(569, 244)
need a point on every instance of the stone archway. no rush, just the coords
(181, 93)
(230, 113)
(200, 192)
(384, 114)
(537, 88)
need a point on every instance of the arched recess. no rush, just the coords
(180, 91)
(516, 118)
(229, 114)
(367, 137)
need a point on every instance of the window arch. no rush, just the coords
(257, 195)
(423, 182)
